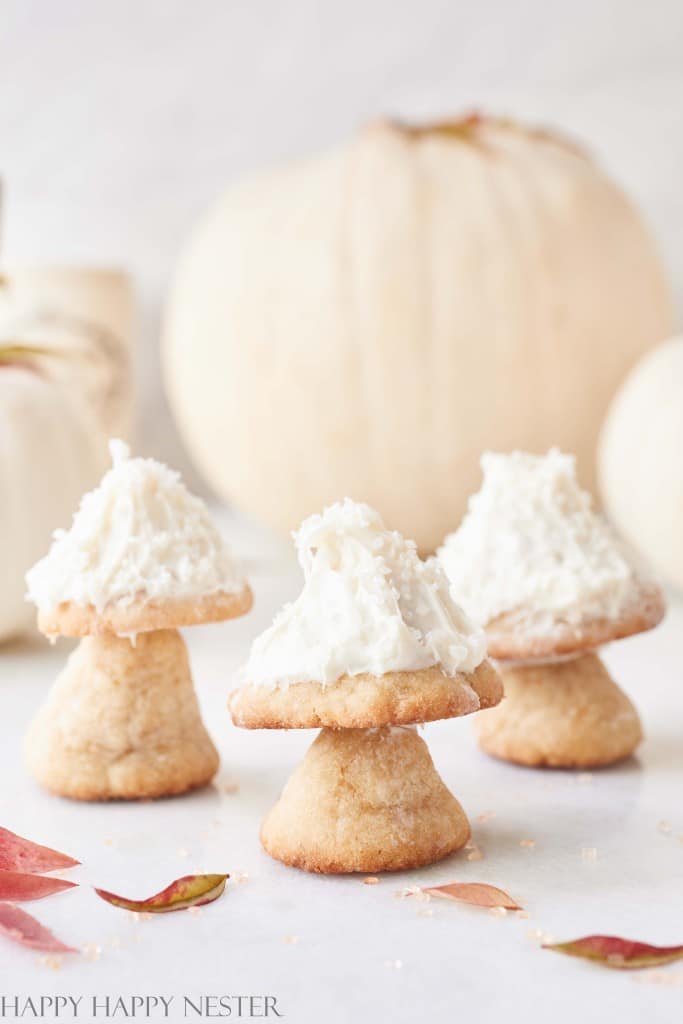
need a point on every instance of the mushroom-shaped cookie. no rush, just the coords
(141, 559)
(543, 573)
(373, 644)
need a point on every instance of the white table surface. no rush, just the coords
(334, 949)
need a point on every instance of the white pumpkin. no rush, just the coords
(50, 452)
(641, 460)
(366, 322)
(87, 313)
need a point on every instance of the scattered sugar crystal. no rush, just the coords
(182, 852)
(416, 892)
(371, 881)
(588, 854)
(139, 915)
(664, 826)
(91, 951)
(584, 778)
(498, 911)
(291, 940)
(659, 977)
(396, 965)
(54, 963)
(410, 890)
(528, 844)
(486, 816)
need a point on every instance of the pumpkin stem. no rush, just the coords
(464, 127)
(18, 353)
(467, 129)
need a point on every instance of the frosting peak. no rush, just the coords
(368, 605)
(531, 542)
(140, 535)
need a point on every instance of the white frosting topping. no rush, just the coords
(139, 536)
(369, 605)
(530, 542)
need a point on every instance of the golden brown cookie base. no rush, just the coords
(567, 714)
(365, 800)
(122, 722)
(365, 701)
(69, 619)
(509, 639)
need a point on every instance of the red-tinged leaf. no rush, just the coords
(19, 887)
(20, 927)
(477, 893)
(19, 854)
(622, 954)
(188, 891)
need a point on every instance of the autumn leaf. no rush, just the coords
(188, 891)
(20, 887)
(622, 954)
(478, 894)
(19, 854)
(20, 927)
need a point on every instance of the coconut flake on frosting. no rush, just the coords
(530, 543)
(368, 605)
(139, 536)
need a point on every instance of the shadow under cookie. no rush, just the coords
(365, 800)
(560, 714)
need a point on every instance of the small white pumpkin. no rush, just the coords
(86, 313)
(366, 322)
(50, 453)
(641, 460)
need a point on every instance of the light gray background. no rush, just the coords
(120, 120)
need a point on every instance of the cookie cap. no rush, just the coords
(365, 701)
(142, 553)
(538, 567)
